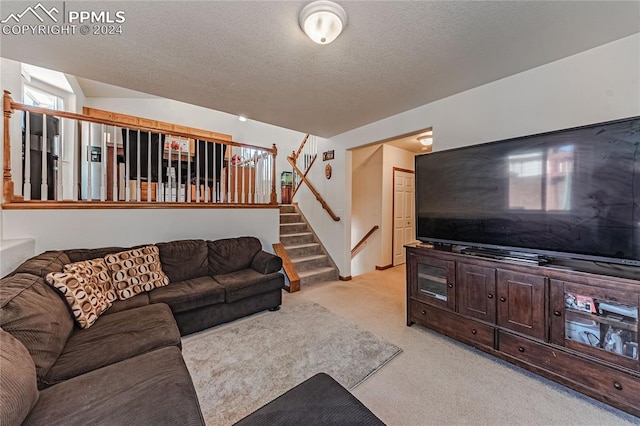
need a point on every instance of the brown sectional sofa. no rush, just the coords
(127, 367)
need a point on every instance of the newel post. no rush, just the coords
(7, 183)
(274, 194)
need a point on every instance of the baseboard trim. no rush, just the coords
(347, 278)
(382, 268)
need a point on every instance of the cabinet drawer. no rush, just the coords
(602, 380)
(462, 329)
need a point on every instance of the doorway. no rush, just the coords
(403, 212)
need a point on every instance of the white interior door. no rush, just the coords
(403, 214)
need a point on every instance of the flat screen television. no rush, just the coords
(572, 193)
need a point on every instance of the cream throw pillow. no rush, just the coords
(135, 271)
(96, 272)
(86, 300)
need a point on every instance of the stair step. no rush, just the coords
(318, 275)
(287, 208)
(298, 250)
(296, 238)
(290, 218)
(293, 228)
(307, 263)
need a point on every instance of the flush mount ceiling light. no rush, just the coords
(242, 118)
(323, 21)
(426, 140)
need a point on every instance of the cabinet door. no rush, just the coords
(476, 291)
(433, 281)
(521, 303)
(597, 321)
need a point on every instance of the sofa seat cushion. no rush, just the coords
(114, 338)
(247, 282)
(36, 315)
(151, 389)
(18, 385)
(136, 301)
(189, 294)
(184, 259)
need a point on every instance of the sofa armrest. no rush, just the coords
(266, 263)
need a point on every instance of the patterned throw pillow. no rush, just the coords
(135, 271)
(96, 272)
(87, 302)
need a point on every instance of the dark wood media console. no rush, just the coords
(572, 322)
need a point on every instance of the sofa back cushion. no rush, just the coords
(185, 259)
(77, 255)
(43, 264)
(232, 254)
(18, 389)
(37, 316)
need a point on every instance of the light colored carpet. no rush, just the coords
(239, 367)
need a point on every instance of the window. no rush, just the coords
(40, 98)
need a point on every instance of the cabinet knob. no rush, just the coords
(502, 299)
(490, 296)
(521, 349)
(557, 313)
(617, 385)
(450, 285)
(424, 312)
(474, 331)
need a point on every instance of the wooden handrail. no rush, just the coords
(313, 190)
(364, 239)
(91, 119)
(289, 268)
(297, 153)
(313, 160)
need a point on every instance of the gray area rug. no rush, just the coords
(239, 367)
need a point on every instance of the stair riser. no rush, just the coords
(326, 276)
(294, 240)
(304, 251)
(311, 264)
(293, 228)
(290, 218)
(287, 209)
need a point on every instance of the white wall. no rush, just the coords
(366, 212)
(63, 229)
(597, 85)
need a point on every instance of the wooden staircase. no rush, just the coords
(304, 252)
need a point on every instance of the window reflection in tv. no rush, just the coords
(572, 193)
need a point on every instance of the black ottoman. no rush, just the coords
(319, 400)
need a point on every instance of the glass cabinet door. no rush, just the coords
(434, 281)
(601, 322)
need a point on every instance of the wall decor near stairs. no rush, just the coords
(304, 252)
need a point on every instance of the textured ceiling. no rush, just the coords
(251, 58)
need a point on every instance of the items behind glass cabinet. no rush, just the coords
(601, 328)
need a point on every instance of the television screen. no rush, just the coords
(572, 193)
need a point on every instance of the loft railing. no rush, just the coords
(101, 160)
